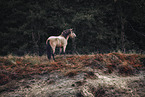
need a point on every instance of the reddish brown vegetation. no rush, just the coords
(18, 67)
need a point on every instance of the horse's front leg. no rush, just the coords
(64, 47)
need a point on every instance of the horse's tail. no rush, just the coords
(48, 49)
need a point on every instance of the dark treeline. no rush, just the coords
(100, 25)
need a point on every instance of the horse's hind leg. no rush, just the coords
(60, 51)
(53, 48)
(53, 56)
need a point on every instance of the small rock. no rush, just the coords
(51, 81)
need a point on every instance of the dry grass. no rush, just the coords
(125, 64)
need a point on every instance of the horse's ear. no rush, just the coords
(71, 29)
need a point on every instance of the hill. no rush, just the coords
(96, 75)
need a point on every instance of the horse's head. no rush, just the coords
(68, 32)
(72, 34)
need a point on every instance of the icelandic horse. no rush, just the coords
(58, 41)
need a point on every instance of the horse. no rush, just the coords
(58, 41)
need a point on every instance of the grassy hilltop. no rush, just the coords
(112, 74)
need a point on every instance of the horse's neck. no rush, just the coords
(67, 37)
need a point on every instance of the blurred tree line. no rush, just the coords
(100, 25)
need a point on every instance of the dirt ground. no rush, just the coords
(78, 81)
(81, 85)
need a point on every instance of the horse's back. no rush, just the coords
(57, 40)
(54, 38)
